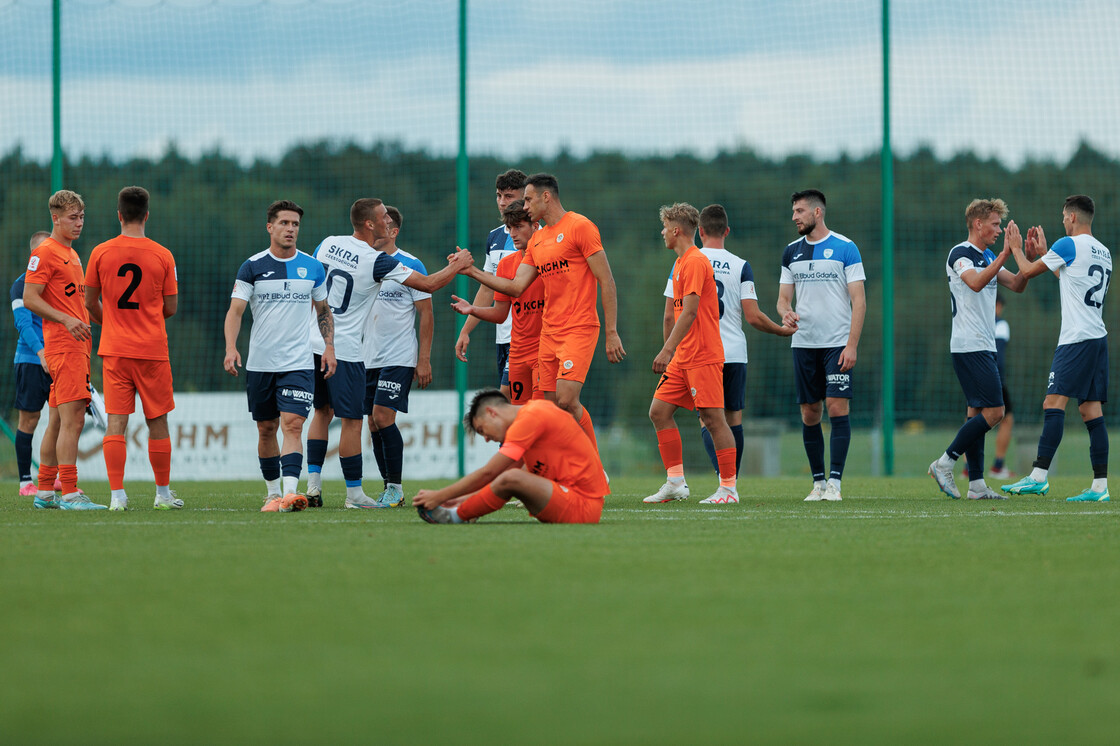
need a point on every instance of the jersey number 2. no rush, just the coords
(125, 301)
(1105, 278)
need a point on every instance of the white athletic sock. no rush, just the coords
(354, 491)
(272, 486)
(314, 481)
(946, 461)
(394, 484)
(164, 491)
(820, 485)
(291, 485)
(24, 483)
(1039, 475)
(1099, 485)
(118, 495)
(835, 483)
(675, 480)
(977, 485)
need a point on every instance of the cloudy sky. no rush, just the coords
(1014, 79)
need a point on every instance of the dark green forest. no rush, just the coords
(210, 212)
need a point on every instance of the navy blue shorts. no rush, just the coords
(979, 378)
(33, 387)
(818, 376)
(503, 364)
(272, 393)
(734, 386)
(1080, 371)
(344, 392)
(388, 387)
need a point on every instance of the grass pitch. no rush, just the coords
(897, 616)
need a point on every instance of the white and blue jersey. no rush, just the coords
(1084, 268)
(974, 314)
(499, 245)
(734, 283)
(390, 329)
(355, 271)
(820, 273)
(28, 325)
(280, 293)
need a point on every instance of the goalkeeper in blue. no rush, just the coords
(1080, 368)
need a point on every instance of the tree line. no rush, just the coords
(210, 211)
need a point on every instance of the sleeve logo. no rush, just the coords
(559, 238)
(33, 264)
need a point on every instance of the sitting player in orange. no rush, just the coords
(691, 362)
(527, 309)
(131, 288)
(562, 480)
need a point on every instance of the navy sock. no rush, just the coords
(813, 436)
(270, 467)
(291, 464)
(351, 469)
(1098, 447)
(378, 450)
(709, 447)
(394, 453)
(838, 444)
(997, 464)
(23, 455)
(316, 454)
(737, 433)
(1053, 427)
(975, 455)
(976, 427)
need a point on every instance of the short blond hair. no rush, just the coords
(63, 200)
(38, 237)
(978, 209)
(682, 213)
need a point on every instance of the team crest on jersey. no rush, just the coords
(33, 264)
(568, 365)
(302, 272)
(693, 390)
(828, 253)
(559, 238)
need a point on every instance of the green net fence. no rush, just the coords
(221, 107)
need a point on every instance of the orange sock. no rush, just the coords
(68, 474)
(159, 455)
(481, 503)
(115, 450)
(47, 476)
(726, 457)
(589, 428)
(669, 444)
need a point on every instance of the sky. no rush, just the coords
(1015, 80)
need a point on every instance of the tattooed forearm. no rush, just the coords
(326, 324)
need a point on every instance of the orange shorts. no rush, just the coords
(69, 377)
(125, 377)
(567, 356)
(692, 388)
(568, 506)
(523, 382)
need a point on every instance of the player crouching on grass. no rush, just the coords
(546, 461)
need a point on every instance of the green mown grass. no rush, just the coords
(897, 616)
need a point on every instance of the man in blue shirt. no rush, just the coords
(33, 382)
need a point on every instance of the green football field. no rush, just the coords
(898, 616)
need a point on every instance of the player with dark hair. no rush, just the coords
(355, 268)
(567, 254)
(737, 301)
(1080, 368)
(131, 289)
(281, 285)
(824, 270)
(509, 186)
(525, 311)
(562, 480)
(54, 287)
